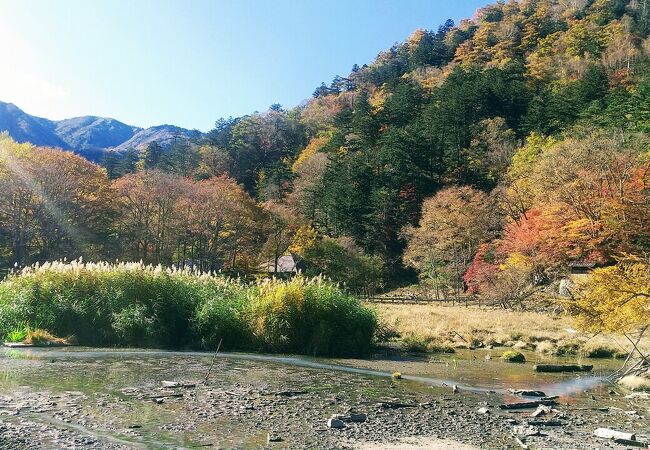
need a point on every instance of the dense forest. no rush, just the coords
(486, 156)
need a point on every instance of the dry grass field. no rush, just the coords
(439, 327)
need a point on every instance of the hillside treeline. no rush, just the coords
(488, 155)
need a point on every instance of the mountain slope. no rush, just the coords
(89, 136)
(163, 134)
(91, 133)
(23, 127)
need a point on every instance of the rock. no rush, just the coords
(513, 356)
(488, 357)
(273, 438)
(565, 289)
(526, 430)
(358, 417)
(483, 410)
(608, 433)
(454, 389)
(335, 423)
(159, 400)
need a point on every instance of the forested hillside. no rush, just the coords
(488, 155)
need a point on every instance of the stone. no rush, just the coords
(335, 423)
(526, 430)
(483, 410)
(358, 417)
(566, 287)
(170, 384)
(273, 438)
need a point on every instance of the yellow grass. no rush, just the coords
(635, 383)
(471, 326)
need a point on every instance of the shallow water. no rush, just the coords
(467, 369)
(91, 375)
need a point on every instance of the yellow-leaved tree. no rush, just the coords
(617, 299)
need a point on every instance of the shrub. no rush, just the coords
(416, 344)
(546, 348)
(385, 333)
(17, 334)
(567, 348)
(221, 319)
(309, 316)
(40, 337)
(437, 347)
(599, 351)
(137, 305)
(513, 356)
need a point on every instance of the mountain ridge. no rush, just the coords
(88, 136)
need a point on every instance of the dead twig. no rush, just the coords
(214, 358)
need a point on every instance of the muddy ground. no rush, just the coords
(117, 400)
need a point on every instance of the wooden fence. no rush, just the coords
(415, 300)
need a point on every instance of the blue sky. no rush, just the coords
(189, 62)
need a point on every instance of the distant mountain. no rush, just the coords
(26, 128)
(88, 136)
(163, 134)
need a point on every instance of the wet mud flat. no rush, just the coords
(130, 399)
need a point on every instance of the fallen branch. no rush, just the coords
(557, 368)
(525, 405)
(214, 358)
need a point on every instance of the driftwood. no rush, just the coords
(521, 443)
(397, 405)
(639, 365)
(527, 393)
(214, 358)
(563, 368)
(546, 423)
(525, 405)
(607, 433)
(630, 443)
